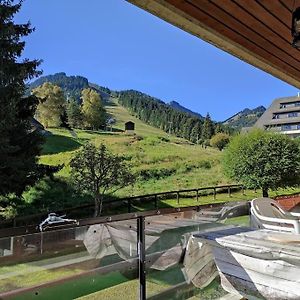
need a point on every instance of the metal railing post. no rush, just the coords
(141, 256)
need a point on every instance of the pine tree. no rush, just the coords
(19, 143)
(208, 128)
(74, 114)
(196, 133)
(92, 109)
(52, 104)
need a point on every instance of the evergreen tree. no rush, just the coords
(92, 109)
(52, 104)
(208, 128)
(19, 143)
(196, 133)
(219, 128)
(74, 114)
(158, 114)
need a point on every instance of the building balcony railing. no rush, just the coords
(130, 256)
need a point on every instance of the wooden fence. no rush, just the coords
(82, 211)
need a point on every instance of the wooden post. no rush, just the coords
(229, 192)
(177, 197)
(197, 195)
(215, 194)
(243, 190)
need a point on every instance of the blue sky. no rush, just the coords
(115, 44)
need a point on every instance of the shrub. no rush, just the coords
(220, 140)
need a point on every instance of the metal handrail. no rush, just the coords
(32, 229)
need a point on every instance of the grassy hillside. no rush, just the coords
(122, 115)
(163, 162)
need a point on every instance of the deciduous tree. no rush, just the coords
(97, 171)
(92, 109)
(51, 104)
(263, 160)
(220, 140)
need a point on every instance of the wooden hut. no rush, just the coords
(129, 127)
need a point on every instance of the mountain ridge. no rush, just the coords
(179, 107)
(245, 118)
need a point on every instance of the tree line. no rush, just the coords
(55, 110)
(158, 114)
(71, 85)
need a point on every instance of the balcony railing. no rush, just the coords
(133, 255)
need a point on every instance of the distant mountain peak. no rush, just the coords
(179, 107)
(245, 118)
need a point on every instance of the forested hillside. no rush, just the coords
(245, 118)
(71, 85)
(172, 118)
(156, 113)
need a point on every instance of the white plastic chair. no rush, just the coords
(267, 213)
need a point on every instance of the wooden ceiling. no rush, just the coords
(256, 31)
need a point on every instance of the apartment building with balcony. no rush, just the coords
(282, 116)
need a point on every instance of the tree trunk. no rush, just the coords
(265, 192)
(98, 205)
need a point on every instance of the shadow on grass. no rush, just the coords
(54, 195)
(57, 143)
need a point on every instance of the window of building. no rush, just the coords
(292, 114)
(286, 127)
(289, 104)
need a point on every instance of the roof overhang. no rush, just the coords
(257, 32)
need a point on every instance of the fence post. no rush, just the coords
(142, 256)
(215, 194)
(197, 195)
(129, 205)
(229, 192)
(177, 197)
(243, 190)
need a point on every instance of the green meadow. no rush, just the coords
(160, 161)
